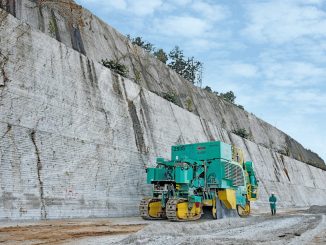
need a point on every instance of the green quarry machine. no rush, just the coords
(203, 178)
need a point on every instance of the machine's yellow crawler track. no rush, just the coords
(177, 210)
(150, 208)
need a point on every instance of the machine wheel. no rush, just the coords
(243, 212)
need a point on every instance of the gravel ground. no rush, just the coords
(295, 227)
(282, 229)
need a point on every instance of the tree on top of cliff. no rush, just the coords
(208, 89)
(177, 62)
(149, 47)
(228, 96)
(189, 68)
(161, 55)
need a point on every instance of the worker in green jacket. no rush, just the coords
(272, 202)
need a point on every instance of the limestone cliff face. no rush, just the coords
(75, 138)
(79, 29)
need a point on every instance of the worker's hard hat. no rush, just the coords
(272, 192)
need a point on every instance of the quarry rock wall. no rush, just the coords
(75, 138)
(81, 30)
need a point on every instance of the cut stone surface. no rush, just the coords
(79, 29)
(76, 137)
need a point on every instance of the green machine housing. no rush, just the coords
(210, 175)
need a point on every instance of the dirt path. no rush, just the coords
(57, 232)
(301, 227)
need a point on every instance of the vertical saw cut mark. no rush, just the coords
(284, 168)
(76, 40)
(275, 166)
(39, 168)
(9, 127)
(55, 26)
(116, 85)
(146, 118)
(41, 24)
(3, 74)
(138, 131)
(91, 74)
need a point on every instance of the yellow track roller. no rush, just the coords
(179, 210)
(150, 208)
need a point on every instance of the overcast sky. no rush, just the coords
(272, 54)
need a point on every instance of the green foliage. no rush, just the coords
(170, 96)
(149, 47)
(137, 76)
(189, 104)
(228, 96)
(178, 62)
(116, 66)
(208, 89)
(193, 70)
(161, 55)
(285, 151)
(52, 27)
(242, 132)
(189, 68)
